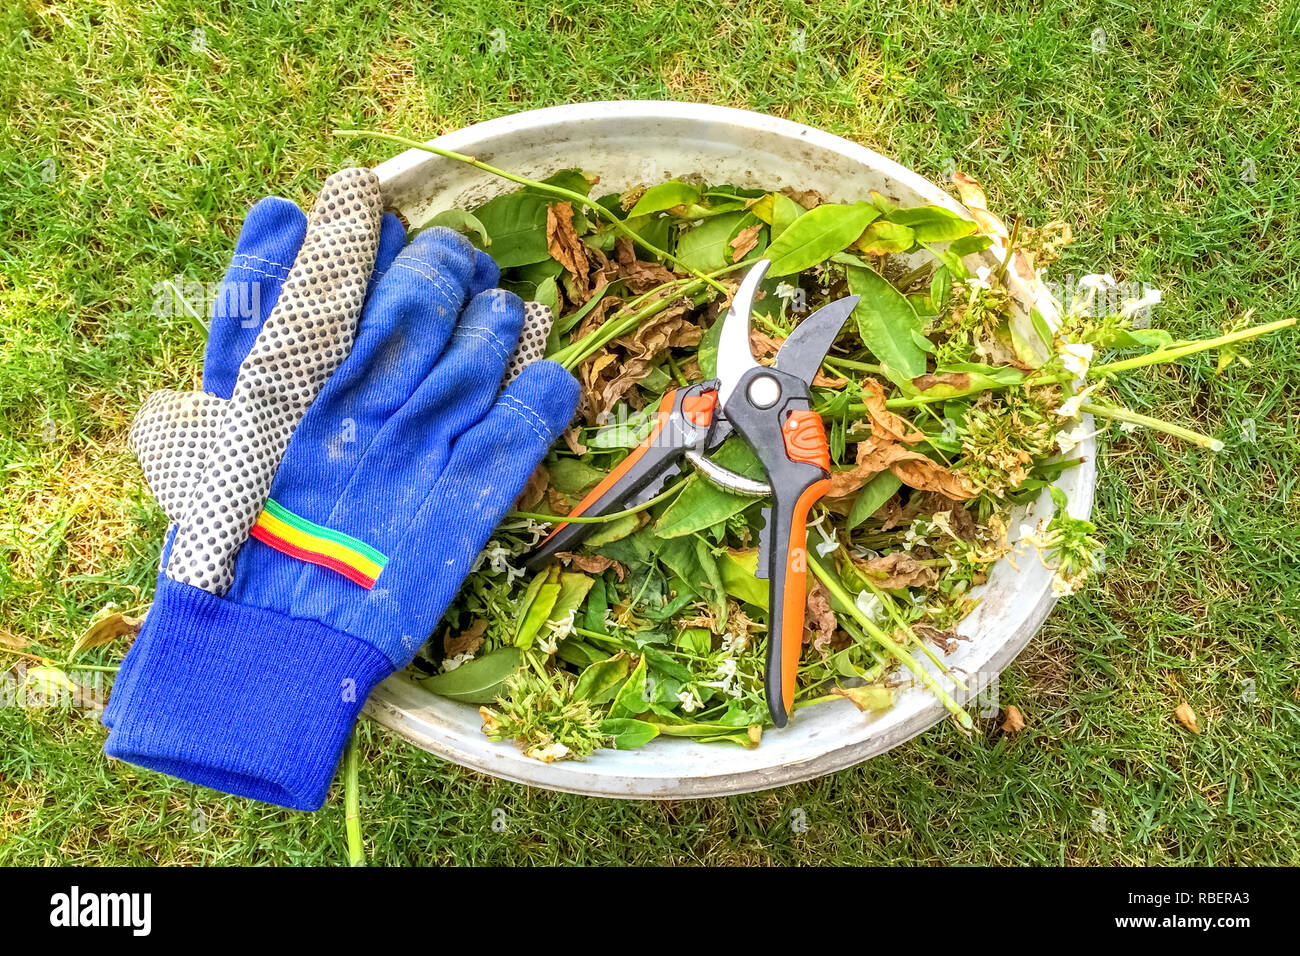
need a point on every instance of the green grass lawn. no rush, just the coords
(132, 146)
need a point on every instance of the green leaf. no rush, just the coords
(478, 681)
(777, 210)
(597, 605)
(702, 505)
(886, 322)
(883, 237)
(705, 248)
(631, 698)
(516, 223)
(739, 571)
(932, 223)
(873, 494)
(940, 289)
(572, 476)
(463, 222)
(980, 378)
(969, 246)
(817, 235)
(628, 733)
(574, 587)
(708, 352)
(613, 530)
(695, 640)
(540, 600)
(599, 682)
(868, 698)
(664, 196)
(716, 591)
(548, 294)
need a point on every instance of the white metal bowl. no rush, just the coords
(632, 142)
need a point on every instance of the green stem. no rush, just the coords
(1176, 352)
(352, 802)
(558, 191)
(891, 608)
(105, 668)
(1155, 424)
(889, 644)
(664, 495)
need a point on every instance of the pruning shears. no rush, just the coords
(770, 408)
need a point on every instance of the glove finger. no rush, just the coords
(392, 239)
(463, 384)
(531, 346)
(268, 243)
(486, 273)
(484, 474)
(171, 436)
(301, 344)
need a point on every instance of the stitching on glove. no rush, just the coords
(442, 284)
(522, 410)
(490, 337)
(269, 262)
(257, 272)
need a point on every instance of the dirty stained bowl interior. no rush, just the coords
(626, 143)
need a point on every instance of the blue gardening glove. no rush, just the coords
(387, 491)
(269, 242)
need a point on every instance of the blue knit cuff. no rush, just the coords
(242, 699)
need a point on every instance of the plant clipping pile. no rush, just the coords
(946, 406)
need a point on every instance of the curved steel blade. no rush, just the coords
(734, 355)
(803, 351)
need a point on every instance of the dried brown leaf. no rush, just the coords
(106, 629)
(920, 472)
(928, 380)
(884, 423)
(592, 563)
(745, 241)
(972, 196)
(819, 619)
(1013, 721)
(899, 570)
(565, 247)
(534, 489)
(639, 275)
(467, 641)
(808, 198)
(1187, 717)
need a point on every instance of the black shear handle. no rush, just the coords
(789, 438)
(681, 421)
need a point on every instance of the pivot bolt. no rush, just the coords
(764, 391)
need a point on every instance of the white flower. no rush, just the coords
(786, 292)
(548, 753)
(495, 555)
(451, 663)
(1076, 356)
(1129, 427)
(870, 605)
(689, 701)
(1097, 280)
(1070, 407)
(1066, 441)
(828, 543)
(981, 278)
(726, 674)
(1149, 298)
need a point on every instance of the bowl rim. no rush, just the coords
(440, 726)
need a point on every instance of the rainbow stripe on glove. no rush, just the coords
(299, 538)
